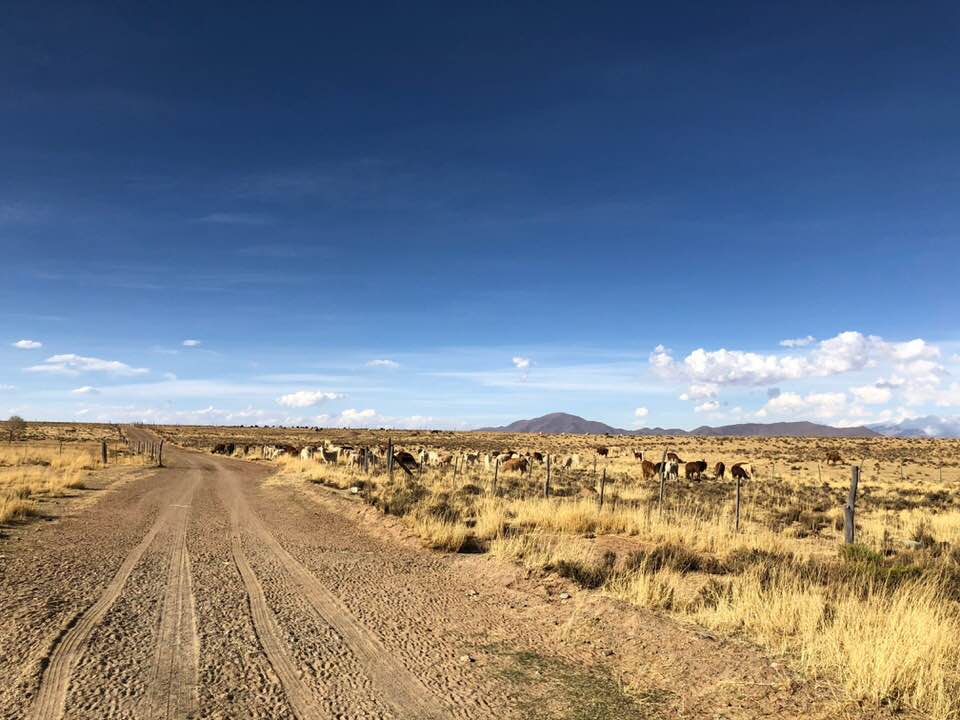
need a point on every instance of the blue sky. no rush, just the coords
(513, 205)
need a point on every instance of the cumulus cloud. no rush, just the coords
(871, 394)
(85, 390)
(307, 398)
(701, 391)
(798, 342)
(847, 352)
(708, 406)
(641, 412)
(27, 344)
(191, 343)
(353, 418)
(383, 362)
(71, 364)
(825, 405)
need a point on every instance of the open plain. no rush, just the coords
(240, 586)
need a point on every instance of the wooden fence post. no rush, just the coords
(496, 471)
(546, 479)
(663, 471)
(103, 451)
(603, 485)
(160, 455)
(737, 513)
(390, 459)
(849, 510)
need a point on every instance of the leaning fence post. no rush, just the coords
(849, 511)
(390, 459)
(103, 451)
(603, 485)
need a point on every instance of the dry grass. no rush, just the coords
(37, 470)
(882, 620)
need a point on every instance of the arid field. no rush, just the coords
(881, 617)
(300, 577)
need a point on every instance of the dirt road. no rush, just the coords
(196, 592)
(200, 590)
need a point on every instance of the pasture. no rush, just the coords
(54, 461)
(880, 618)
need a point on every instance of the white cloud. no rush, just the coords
(353, 418)
(871, 394)
(847, 352)
(701, 391)
(521, 363)
(798, 342)
(383, 362)
(7, 387)
(641, 412)
(307, 398)
(824, 405)
(191, 343)
(85, 390)
(949, 396)
(71, 364)
(708, 406)
(27, 344)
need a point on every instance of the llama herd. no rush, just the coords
(503, 461)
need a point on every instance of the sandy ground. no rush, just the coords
(207, 590)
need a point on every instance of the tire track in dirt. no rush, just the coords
(70, 645)
(401, 689)
(265, 625)
(173, 690)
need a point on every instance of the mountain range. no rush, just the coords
(560, 423)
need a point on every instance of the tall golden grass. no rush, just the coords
(884, 641)
(29, 471)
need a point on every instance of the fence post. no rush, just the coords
(496, 471)
(737, 521)
(103, 451)
(603, 485)
(546, 480)
(663, 470)
(849, 510)
(390, 459)
(160, 455)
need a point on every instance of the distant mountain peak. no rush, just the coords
(564, 423)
